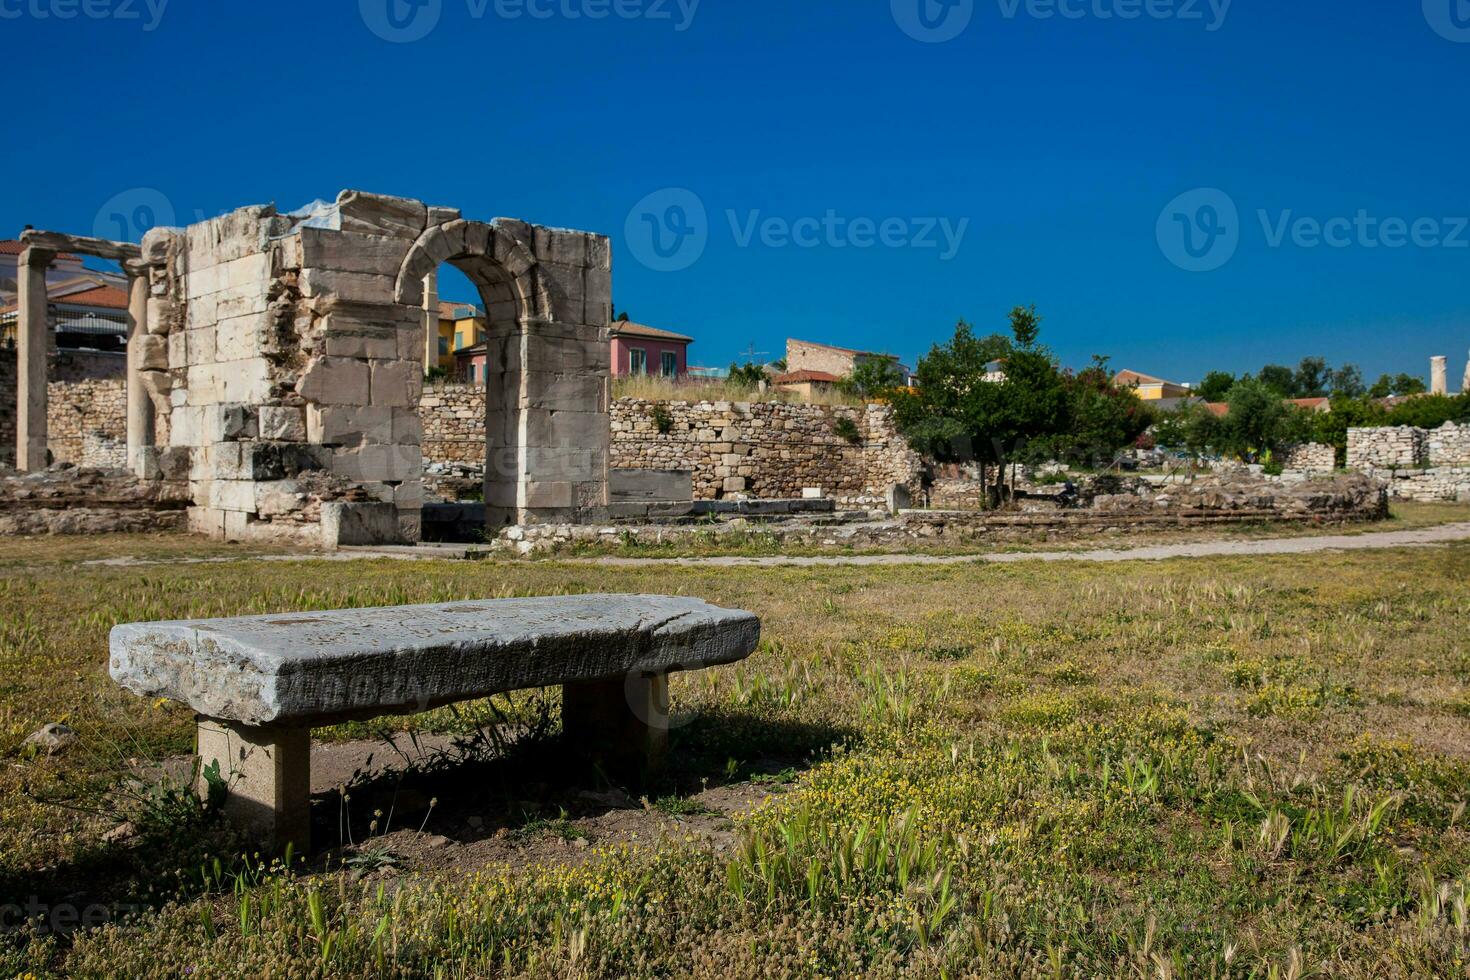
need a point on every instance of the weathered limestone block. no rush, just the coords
(335, 381)
(283, 422)
(379, 214)
(396, 383)
(306, 668)
(332, 425)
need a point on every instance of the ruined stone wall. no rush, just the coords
(1386, 446)
(1313, 456)
(1428, 485)
(86, 411)
(766, 449)
(453, 420)
(7, 406)
(1449, 445)
(86, 423)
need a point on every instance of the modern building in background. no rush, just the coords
(836, 362)
(87, 310)
(638, 349)
(1149, 388)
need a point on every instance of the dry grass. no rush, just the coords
(649, 388)
(1194, 768)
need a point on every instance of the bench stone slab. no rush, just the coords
(310, 668)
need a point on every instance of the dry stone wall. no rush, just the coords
(1449, 445)
(1311, 456)
(453, 420)
(767, 449)
(1386, 446)
(7, 407)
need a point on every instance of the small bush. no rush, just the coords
(846, 430)
(662, 420)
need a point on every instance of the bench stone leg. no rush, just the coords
(622, 724)
(268, 772)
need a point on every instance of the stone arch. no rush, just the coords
(500, 265)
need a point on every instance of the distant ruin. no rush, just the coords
(282, 354)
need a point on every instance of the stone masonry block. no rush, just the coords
(345, 251)
(232, 495)
(229, 422)
(348, 425)
(379, 214)
(396, 383)
(335, 381)
(380, 463)
(283, 422)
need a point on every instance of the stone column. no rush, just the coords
(33, 339)
(1438, 379)
(431, 321)
(140, 403)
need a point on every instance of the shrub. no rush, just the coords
(662, 420)
(846, 430)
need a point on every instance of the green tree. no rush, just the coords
(1312, 378)
(1280, 379)
(1216, 386)
(1103, 418)
(871, 377)
(1347, 382)
(1382, 388)
(1430, 411)
(746, 375)
(1408, 384)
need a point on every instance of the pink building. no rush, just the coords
(639, 349)
(636, 349)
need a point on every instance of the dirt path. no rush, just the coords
(1417, 538)
(1424, 537)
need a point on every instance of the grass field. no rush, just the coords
(1226, 767)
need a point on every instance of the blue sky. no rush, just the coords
(1054, 143)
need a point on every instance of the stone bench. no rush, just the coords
(260, 683)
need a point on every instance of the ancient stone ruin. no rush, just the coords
(284, 355)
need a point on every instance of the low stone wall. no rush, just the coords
(86, 411)
(767, 449)
(7, 406)
(1391, 446)
(1344, 499)
(66, 500)
(1449, 445)
(86, 423)
(1310, 456)
(453, 417)
(1386, 446)
(1428, 485)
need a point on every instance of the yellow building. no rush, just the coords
(460, 326)
(1149, 388)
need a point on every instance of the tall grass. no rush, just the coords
(651, 388)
